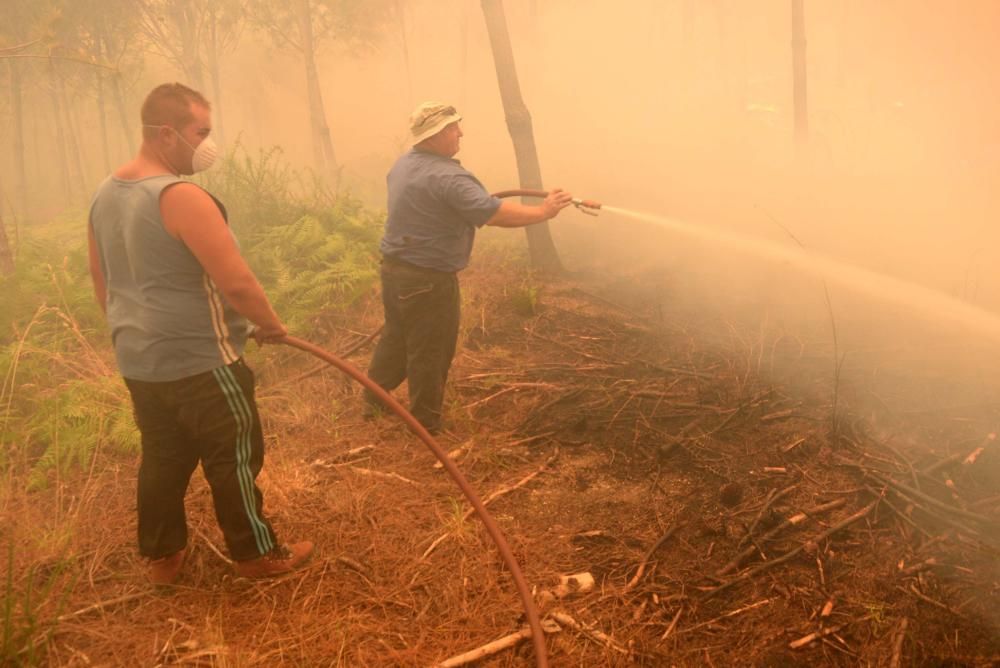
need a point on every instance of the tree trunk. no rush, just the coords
(401, 18)
(326, 159)
(21, 184)
(463, 32)
(185, 17)
(122, 113)
(541, 248)
(6, 258)
(103, 120)
(60, 136)
(213, 71)
(73, 135)
(799, 77)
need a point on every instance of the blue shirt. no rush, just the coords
(435, 207)
(168, 320)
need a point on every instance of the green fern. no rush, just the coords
(314, 251)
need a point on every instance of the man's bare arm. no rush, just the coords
(190, 215)
(515, 214)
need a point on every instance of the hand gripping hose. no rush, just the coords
(530, 611)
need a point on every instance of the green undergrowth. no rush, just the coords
(62, 401)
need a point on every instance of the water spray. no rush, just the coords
(931, 302)
(587, 206)
(916, 297)
(530, 610)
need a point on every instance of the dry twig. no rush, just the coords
(496, 646)
(897, 645)
(101, 605)
(649, 553)
(794, 520)
(380, 474)
(589, 631)
(495, 495)
(746, 575)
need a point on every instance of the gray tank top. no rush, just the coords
(168, 320)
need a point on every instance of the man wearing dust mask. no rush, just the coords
(178, 297)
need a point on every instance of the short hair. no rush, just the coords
(169, 104)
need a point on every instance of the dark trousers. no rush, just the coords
(422, 310)
(209, 418)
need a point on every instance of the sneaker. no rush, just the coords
(164, 571)
(282, 559)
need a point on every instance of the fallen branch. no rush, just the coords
(794, 444)
(529, 439)
(496, 646)
(212, 546)
(897, 645)
(985, 501)
(794, 520)
(495, 495)
(354, 565)
(101, 605)
(930, 499)
(921, 566)
(900, 514)
(380, 474)
(453, 455)
(511, 387)
(746, 575)
(673, 624)
(649, 553)
(772, 498)
(947, 461)
(927, 599)
(816, 635)
(731, 613)
(590, 632)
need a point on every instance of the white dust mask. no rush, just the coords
(203, 156)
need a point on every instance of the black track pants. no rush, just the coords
(209, 418)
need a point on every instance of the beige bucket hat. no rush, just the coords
(429, 118)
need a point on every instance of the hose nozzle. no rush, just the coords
(587, 206)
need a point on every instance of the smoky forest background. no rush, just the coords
(754, 400)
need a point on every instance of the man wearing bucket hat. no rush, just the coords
(435, 207)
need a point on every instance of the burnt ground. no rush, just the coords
(705, 452)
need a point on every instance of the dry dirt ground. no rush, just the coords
(729, 510)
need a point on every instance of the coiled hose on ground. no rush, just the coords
(530, 611)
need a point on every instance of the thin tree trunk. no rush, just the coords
(213, 71)
(21, 184)
(185, 18)
(103, 120)
(60, 136)
(540, 246)
(122, 113)
(401, 18)
(73, 134)
(463, 32)
(6, 258)
(800, 99)
(326, 159)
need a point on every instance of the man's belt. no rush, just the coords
(393, 261)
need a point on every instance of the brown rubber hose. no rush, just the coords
(521, 193)
(530, 611)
